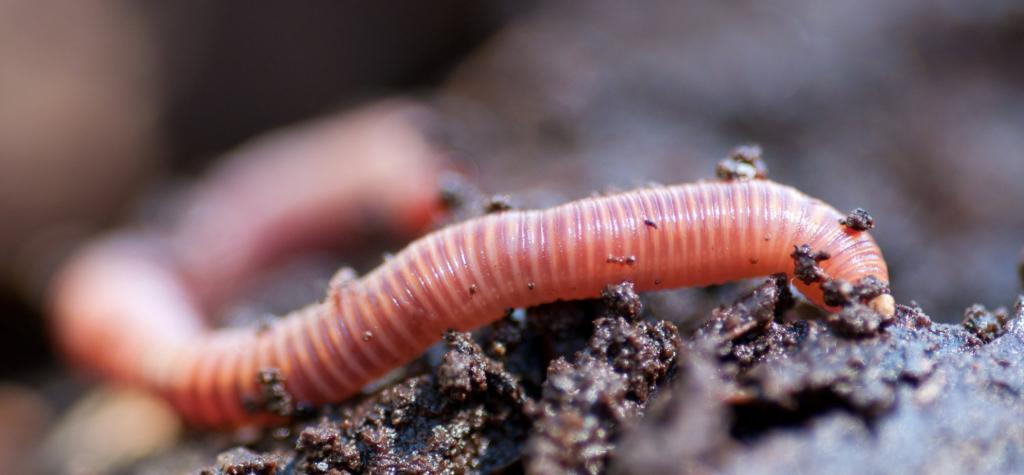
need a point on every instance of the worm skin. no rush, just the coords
(468, 274)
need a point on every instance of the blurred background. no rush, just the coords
(913, 110)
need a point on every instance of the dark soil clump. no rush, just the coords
(858, 220)
(806, 264)
(274, 396)
(856, 321)
(241, 461)
(467, 418)
(744, 163)
(585, 403)
(984, 324)
(844, 405)
(764, 386)
(837, 292)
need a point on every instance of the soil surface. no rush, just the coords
(763, 385)
(668, 382)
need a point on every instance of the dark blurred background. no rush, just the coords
(913, 110)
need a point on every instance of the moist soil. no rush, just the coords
(766, 384)
(656, 383)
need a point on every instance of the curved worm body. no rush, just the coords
(461, 277)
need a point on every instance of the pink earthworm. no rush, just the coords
(459, 277)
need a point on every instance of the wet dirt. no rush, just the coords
(763, 385)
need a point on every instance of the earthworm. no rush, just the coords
(459, 277)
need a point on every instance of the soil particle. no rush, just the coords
(621, 260)
(274, 397)
(690, 428)
(585, 403)
(984, 324)
(856, 321)
(464, 368)
(468, 418)
(755, 310)
(869, 287)
(838, 292)
(650, 223)
(742, 333)
(623, 300)
(342, 278)
(743, 163)
(324, 448)
(858, 220)
(241, 461)
(830, 402)
(806, 266)
(498, 204)
(504, 336)
(643, 352)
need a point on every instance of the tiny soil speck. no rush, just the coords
(743, 163)
(622, 260)
(858, 220)
(498, 204)
(806, 266)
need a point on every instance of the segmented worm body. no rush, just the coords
(460, 277)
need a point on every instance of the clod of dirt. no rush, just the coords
(806, 266)
(858, 220)
(274, 396)
(643, 352)
(984, 324)
(856, 320)
(832, 404)
(464, 368)
(837, 292)
(324, 448)
(622, 299)
(743, 163)
(468, 418)
(741, 333)
(241, 461)
(585, 404)
(754, 310)
(685, 426)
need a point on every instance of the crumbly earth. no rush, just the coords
(764, 385)
(816, 398)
